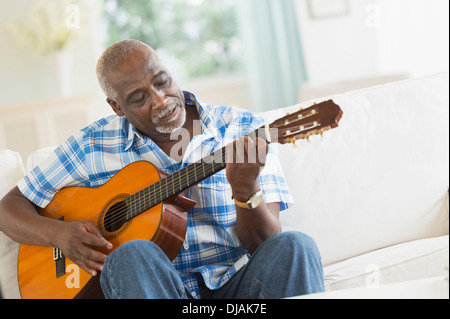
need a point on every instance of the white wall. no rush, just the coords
(28, 78)
(376, 37)
(413, 36)
(340, 47)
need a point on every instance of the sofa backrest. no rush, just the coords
(11, 171)
(381, 177)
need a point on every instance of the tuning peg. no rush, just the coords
(291, 140)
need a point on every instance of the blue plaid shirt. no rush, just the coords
(93, 155)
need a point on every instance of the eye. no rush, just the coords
(139, 99)
(162, 79)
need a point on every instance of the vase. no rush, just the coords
(61, 64)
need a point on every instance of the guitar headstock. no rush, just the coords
(314, 120)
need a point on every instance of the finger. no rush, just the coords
(90, 260)
(95, 238)
(250, 150)
(263, 149)
(239, 151)
(230, 153)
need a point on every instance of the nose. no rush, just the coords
(158, 100)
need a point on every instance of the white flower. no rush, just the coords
(44, 30)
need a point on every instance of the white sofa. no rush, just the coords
(373, 193)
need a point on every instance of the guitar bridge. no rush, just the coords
(60, 259)
(60, 262)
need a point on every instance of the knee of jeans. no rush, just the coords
(297, 241)
(132, 250)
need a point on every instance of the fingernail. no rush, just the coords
(109, 246)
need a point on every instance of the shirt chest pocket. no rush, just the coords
(216, 189)
(213, 197)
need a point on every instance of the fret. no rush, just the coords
(195, 171)
(203, 167)
(167, 188)
(187, 175)
(173, 184)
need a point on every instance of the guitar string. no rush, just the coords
(120, 214)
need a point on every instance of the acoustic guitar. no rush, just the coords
(139, 202)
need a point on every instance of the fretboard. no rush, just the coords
(178, 181)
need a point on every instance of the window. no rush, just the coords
(196, 37)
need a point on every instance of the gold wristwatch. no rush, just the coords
(252, 203)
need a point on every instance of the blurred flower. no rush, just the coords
(45, 29)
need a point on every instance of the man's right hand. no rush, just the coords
(78, 241)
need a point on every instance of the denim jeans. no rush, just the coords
(287, 264)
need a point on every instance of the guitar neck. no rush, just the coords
(179, 181)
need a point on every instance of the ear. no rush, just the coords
(115, 106)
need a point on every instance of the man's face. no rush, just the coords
(147, 95)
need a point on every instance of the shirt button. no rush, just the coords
(186, 246)
(220, 184)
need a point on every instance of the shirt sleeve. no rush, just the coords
(273, 182)
(64, 167)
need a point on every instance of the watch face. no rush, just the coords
(255, 201)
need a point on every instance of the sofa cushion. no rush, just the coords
(35, 158)
(11, 170)
(379, 179)
(419, 259)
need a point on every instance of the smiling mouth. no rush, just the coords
(167, 114)
(170, 114)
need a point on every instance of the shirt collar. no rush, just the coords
(204, 111)
(131, 133)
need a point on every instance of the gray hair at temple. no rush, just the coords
(114, 55)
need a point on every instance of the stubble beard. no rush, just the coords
(172, 125)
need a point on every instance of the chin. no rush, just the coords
(176, 124)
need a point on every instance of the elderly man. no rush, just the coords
(234, 247)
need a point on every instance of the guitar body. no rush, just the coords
(43, 272)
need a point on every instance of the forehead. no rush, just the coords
(138, 67)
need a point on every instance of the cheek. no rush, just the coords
(139, 117)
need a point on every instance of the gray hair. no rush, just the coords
(113, 56)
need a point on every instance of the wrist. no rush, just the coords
(244, 194)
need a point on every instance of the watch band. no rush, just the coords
(254, 201)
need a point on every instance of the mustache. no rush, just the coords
(166, 111)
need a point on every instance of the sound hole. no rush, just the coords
(115, 217)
